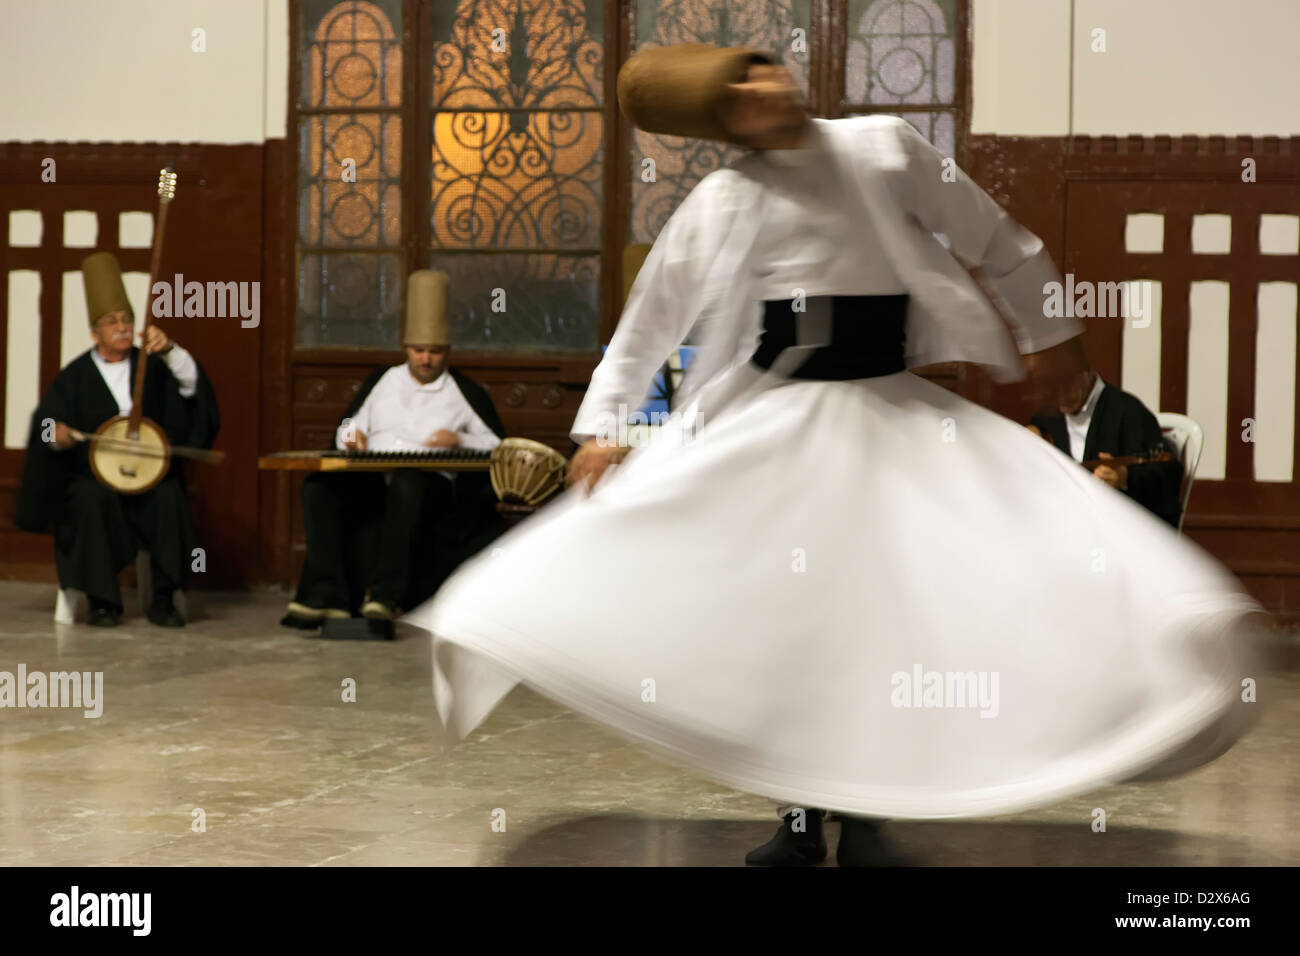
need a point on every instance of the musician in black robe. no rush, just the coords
(98, 532)
(1096, 420)
(384, 541)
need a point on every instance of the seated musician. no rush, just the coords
(1096, 420)
(98, 532)
(385, 540)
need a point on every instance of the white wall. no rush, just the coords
(1170, 66)
(1020, 66)
(125, 70)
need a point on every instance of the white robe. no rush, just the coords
(862, 596)
(898, 187)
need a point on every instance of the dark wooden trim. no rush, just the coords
(417, 136)
(826, 50)
(964, 81)
(276, 425)
(620, 37)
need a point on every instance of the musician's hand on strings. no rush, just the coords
(1116, 477)
(591, 460)
(155, 341)
(443, 439)
(354, 440)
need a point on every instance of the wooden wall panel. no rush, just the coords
(1068, 191)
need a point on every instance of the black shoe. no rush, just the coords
(861, 844)
(163, 613)
(102, 615)
(791, 848)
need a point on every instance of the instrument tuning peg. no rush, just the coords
(166, 183)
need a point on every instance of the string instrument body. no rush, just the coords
(127, 471)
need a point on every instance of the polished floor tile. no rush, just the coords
(229, 742)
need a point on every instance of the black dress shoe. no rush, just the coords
(791, 848)
(164, 614)
(102, 616)
(861, 844)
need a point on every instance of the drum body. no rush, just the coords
(122, 470)
(525, 471)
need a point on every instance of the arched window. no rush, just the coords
(903, 53)
(350, 174)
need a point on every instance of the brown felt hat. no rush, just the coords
(105, 292)
(677, 90)
(426, 309)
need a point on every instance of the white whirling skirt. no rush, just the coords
(872, 597)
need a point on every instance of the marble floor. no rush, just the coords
(229, 743)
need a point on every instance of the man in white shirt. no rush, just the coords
(98, 532)
(385, 541)
(1096, 421)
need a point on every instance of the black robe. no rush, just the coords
(59, 491)
(359, 544)
(1122, 425)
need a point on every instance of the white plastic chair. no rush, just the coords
(1188, 438)
(68, 601)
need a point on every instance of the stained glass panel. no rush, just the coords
(900, 51)
(334, 210)
(679, 164)
(350, 299)
(523, 180)
(349, 172)
(352, 56)
(517, 164)
(527, 302)
(518, 54)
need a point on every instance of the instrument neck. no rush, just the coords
(155, 264)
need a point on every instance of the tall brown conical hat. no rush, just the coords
(105, 292)
(426, 308)
(676, 90)
(633, 259)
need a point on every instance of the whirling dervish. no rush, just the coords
(874, 589)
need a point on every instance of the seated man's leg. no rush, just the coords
(161, 518)
(416, 501)
(333, 506)
(92, 543)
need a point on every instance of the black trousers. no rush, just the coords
(396, 539)
(100, 533)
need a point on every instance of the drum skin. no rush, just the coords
(124, 472)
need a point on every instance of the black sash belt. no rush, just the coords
(856, 336)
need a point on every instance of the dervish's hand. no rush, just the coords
(591, 460)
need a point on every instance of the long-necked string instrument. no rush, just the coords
(1150, 458)
(130, 453)
(1154, 456)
